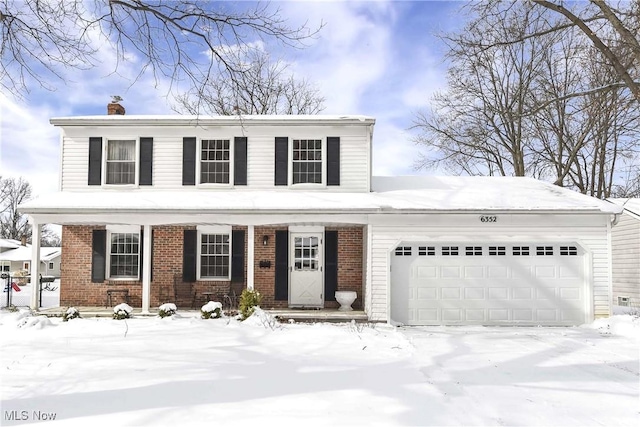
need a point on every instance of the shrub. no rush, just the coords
(71, 313)
(167, 309)
(122, 311)
(211, 310)
(248, 301)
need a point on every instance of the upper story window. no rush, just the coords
(215, 155)
(121, 162)
(307, 161)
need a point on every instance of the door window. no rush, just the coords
(306, 254)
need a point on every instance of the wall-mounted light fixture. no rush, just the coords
(265, 240)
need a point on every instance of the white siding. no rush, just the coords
(625, 240)
(167, 153)
(591, 234)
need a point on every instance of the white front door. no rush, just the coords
(307, 286)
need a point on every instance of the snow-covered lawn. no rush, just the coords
(188, 371)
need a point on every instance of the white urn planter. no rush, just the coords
(345, 299)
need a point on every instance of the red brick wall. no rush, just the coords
(77, 289)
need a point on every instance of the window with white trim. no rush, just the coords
(307, 161)
(403, 251)
(214, 257)
(497, 250)
(120, 162)
(51, 266)
(215, 161)
(568, 250)
(473, 250)
(124, 255)
(520, 250)
(26, 266)
(426, 250)
(449, 250)
(544, 250)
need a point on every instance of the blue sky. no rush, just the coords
(375, 58)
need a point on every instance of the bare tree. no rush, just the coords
(478, 125)
(261, 86)
(593, 22)
(529, 107)
(13, 224)
(184, 40)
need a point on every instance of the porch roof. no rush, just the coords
(389, 195)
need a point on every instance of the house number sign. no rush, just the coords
(488, 218)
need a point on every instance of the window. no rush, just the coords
(215, 155)
(473, 250)
(544, 250)
(403, 251)
(26, 265)
(307, 161)
(497, 250)
(449, 250)
(214, 256)
(51, 266)
(306, 254)
(121, 162)
(426, 250)
(124, 255)
(520, 250)
(568, 250)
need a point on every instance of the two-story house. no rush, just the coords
(287, 205)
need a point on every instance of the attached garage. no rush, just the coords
(487, 251)
(488, 283)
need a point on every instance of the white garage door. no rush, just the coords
(488, 284)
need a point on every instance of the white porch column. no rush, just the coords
(36, 234)
(146, 269)
(250, 256)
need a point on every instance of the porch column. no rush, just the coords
(146, 269)
(36, 234)
(250, 256)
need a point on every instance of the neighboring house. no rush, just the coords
(625, 242)
(16, 257)
(286, 205)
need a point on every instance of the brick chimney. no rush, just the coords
(23, 240)
(114, 107)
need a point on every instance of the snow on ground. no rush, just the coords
(189, 371)
(22, 298)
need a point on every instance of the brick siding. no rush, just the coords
(77, 289)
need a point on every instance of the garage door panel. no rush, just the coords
(537, 285)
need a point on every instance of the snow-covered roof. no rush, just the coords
(23, 253)
(631, 206)
(389, 195)
(187, 120)
(9, 243)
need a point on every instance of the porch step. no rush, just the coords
(318, 315)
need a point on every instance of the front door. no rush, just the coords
(307, 286)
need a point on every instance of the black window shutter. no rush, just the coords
(146, 161)
(333, 160)
(98, 255)
(189, 255)
(237, 256)
(141, 246)
(189, 161)
(282, 161)
(95, 160)
(240, 160)
(330, 265)
(282, 266)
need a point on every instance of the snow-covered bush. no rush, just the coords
(71, 313)
(260, 317)
(122, 311)
(211, 310)
(248, 301)
(167, 309)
